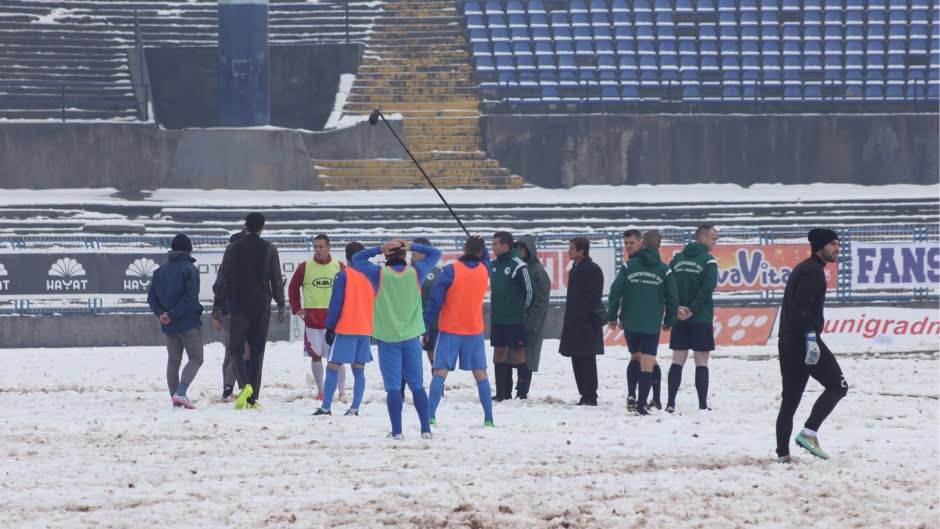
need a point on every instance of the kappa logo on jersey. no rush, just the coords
(323, 282)
(431, 276)
(67, 271)
(4, 283)
(507, 271)
(140, 273)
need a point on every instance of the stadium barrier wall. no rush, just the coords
(303, 84)
(913, 326)
(573, 149)
(132, 157)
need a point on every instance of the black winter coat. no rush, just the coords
(582, 333)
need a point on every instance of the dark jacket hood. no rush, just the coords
(529, 242)
(648, 256)
(176, 255)
(694, 249)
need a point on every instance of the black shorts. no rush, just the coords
(511, 336)
(641, 342)
(686, 335)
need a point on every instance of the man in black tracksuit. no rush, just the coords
(250, 275)
(802, 351)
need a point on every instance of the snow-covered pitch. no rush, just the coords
(90, 440)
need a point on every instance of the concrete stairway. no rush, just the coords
(417, 65)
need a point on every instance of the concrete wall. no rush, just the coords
(140, 156)
(566, 150)
(303, 84)
(117, 330)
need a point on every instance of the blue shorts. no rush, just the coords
(350, 349)
(641, 342)
(401, 360)
(511, 336)
(468, 347)
(686, 335)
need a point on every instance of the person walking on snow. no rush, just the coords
(582, 333)
(398, 323)
(173, 297)
(536, 313)
(644, 295)
(510, 296)
(696, 273)
(249, 277)
(348, 331)
(632, 243)
(456, 309)
(309, 296)
(802, 353)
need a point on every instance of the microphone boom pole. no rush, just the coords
(373, 119)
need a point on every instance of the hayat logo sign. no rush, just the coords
(66, 274)
(4, 283)
(756, 266)
(906, 265)
(139, 273)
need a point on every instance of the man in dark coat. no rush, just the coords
(802, 351)
(582, 336)
(249, 277)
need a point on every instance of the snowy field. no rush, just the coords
(91, 441)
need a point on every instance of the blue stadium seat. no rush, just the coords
(580, 20)
(629, 92)
(475, 21)
(600, 19)
(483, 63)
(625, 46)
(545, 62)
(541, 34)
(521, 48)
(561, 33)
(684, 6)
(481, 48)
(499, 34)
(583, 47)
(519, 33)
(535, 7)
(517, 20)
(538, 20)
(577, 6)
(597, 5)
(493, 7)
(874, 91)
(563, 48)
(473, 8)
(606, 62)
(610, 93)
(494, 21)
(602, 32)
(642, 6)
(514, 7)
(560, 18)
(566, 62)
(501, 48)
(505, 62)
(478, 35)
(618, 6)
(604, 47)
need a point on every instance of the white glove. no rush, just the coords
(812, 349)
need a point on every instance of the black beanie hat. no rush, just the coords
(819, 237)
(181, 243)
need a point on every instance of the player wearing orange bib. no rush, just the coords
(456, 305)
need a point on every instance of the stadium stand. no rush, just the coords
(705, 50)
(74, 54)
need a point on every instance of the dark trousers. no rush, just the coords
(795, 374)
(585, 376)
(253, 329)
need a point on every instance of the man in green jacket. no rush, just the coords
(696, 273)
(535, 315)
(632, 243)
(510, 296)
(645, 299)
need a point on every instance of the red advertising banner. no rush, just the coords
(733, 326)
(743, 267)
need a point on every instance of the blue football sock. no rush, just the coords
(329, 387)
(420, 396)
(359, 386)
(486, 398)
(181, 389)
(393, 401)
(437, 389)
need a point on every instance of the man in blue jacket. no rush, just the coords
(174, 299)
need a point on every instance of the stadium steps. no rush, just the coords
(417, 65)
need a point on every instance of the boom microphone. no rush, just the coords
(373, 119)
